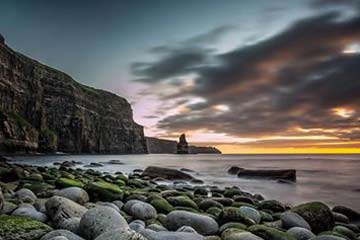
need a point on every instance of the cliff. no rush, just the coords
(43, 109)
(162, 146)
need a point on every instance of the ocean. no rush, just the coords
(333, 179)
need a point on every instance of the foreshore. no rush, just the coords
(68, 203)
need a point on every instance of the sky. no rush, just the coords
(244, 76)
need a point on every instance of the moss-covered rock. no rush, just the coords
(68, 182)
(272, 205)
(232, 214)
(162, 205)
(333, 233)
(104, 191)
(317, 214)
(182, 201)
(345, 231)
(269, 233)
(22, 228)
(39, 188)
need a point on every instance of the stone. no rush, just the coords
(269, 233)
(76, 194)
(182, 146)
(99, 220)
(2, 200)
(142, 210)
(291, 219)
(60, 209)
(284, 174)
(339, 217)
(166, 173)
(300, 233)
(28, 210)
(232, 214)
(234, 170)
(204, 225)
(137, 225)
(22, 228)
(26, 196)
(61, 233)
(109, 204)
(71, 224)
(156, 227)
(350, 213)
(152, 235)
(68, 182)
(162, 205)
(208, 203)
(182, 201)
(273, 205)
(242, 236)
(251, 213)
(104, 191)
(232, 225)
(186, 229)
(8, 208)
(345, 231)
(317, 215)
(120, 234)
(327, 237)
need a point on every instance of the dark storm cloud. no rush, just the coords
(325, 3)
(293, 80)
(182, 58)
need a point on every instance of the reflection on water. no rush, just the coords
(334, 179)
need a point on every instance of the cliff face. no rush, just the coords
(43, 109)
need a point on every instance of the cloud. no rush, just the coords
(286, 85)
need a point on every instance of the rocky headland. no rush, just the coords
(68, 203)
(163, 146)
(45, 110)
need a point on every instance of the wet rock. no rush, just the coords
(234, 170)
(26, 196)
(120, 234)
(232, 225)
(291, 219)
(286, 174)
(137, 225)
(182, 201)
(317, 215)
(300, 233)
(345, 231)
(142, 210)
(186, 229)
(61, 233)
(22, 228)
(152, 235)
(99, 220)
(166, 173)
(60, 209)
(27, 210)
(8, 208)
(338, 217)
(208, 203)
(76, 194)
(2, 200)
(273, 205)
(232, 214)
(68, 182)
(350, 213)
(104, 191)
(251, 213)
(204, 225)
(108, 204)
(269, 233)
(156, 227)
(71, 224)
(162, 205)
(242, 236)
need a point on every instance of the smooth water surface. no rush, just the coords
(334, 179)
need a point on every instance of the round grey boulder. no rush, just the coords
(204, 225)
(327, 237)
(137, 225)
(61, 233)
(120, 234)
(76, 194)
(60, 209)
(108, 204)
(25, 195)
(251, 213)
(156, 227)
(151, 235)
(291, 219)
(300, 233)
(27, 210)
(71, 224)
(99, 220)
(59, 238)
(143, 211)
(186, 229)
(2, 199)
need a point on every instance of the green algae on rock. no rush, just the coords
(22, 228)
(101, 190)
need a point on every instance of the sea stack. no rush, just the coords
(2, 39)
(182, 146)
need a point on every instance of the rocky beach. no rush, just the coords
(65, 202)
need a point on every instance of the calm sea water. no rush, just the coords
(334, 179)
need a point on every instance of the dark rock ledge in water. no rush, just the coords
(166, 173)
(282, 174)
(49, 203)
